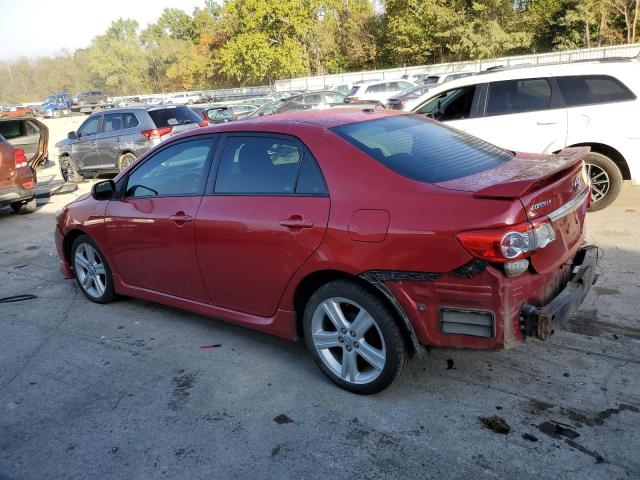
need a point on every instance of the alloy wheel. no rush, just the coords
(348, 340)
(600, 182)
(90, 271)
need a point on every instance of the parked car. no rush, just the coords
(342, 88)
(212, 115)
(367, 233)
(110, 141)
(242, 109)
(287, 94)
(94, 97)
(544, 109)
(265, 110)
(17, 179)
(379, 90)
(408, 98)
(28, 134)
(14, 111)
(323, 99)
(430, 78)
(57, 105)
(184, 98)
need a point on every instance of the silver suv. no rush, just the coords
(109, 141)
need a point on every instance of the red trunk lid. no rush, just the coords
(552, 186)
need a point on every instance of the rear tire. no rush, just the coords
(359, 346)
(26, 207)
(125, 160)
(606, 180)
(91, 270)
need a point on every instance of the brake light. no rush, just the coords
(205, 122)
(156, 132)
(354, 99)
(510, 243)
(19, 158)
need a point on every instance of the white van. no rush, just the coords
(544, 109)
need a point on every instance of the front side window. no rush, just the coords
(90, 127)
(451, 105)
(518, 96)
(179, 170)
(422, 150)
(592, 89)
(258, 165)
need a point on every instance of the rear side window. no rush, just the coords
(112, 122)
(170, 117)
(518, 96)
(258, 165)
(129, 120)
(423, 150)
(592, 89)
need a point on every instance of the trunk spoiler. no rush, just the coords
(543, 170)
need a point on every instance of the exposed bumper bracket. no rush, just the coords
(540, 322)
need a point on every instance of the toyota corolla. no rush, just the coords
(369, 234)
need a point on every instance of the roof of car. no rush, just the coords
(329, 118)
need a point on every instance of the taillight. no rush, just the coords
(204, 123)
(510, 243)
(19, 158)
(156, 132)
(354, 99)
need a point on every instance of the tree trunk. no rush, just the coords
(635, 22)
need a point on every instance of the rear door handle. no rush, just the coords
(180, 218)
(296, 222)
(547, 123)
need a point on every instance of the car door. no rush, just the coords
(265, 214)
(150, 231)
(85, 149)
(525, 115)
(108, 140)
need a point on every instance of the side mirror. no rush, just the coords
(72, 135)
(347, 100)
(104, 190)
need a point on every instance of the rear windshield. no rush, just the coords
(170, 117)
(422, 149)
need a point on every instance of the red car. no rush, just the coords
(367, 233)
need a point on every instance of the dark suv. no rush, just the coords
(94, 97)
(110, 141)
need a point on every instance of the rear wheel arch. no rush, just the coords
(608, 151)
(312, 282)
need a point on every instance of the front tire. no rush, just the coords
(68, 170)
(353, 337)
(91, 270)
(606, 180)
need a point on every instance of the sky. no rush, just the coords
(36, 28)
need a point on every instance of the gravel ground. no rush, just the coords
(124, 391)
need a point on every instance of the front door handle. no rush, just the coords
(296, 221)
(180, 217)
(547, 123)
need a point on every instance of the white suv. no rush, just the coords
(544, 109)
(379, 90)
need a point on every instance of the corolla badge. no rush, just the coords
(576, 184)
(539, 205)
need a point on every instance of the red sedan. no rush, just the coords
(367, 233)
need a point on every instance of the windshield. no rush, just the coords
(422, 149)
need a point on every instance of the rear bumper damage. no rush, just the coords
(540, 322)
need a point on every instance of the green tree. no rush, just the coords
(119, 59)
